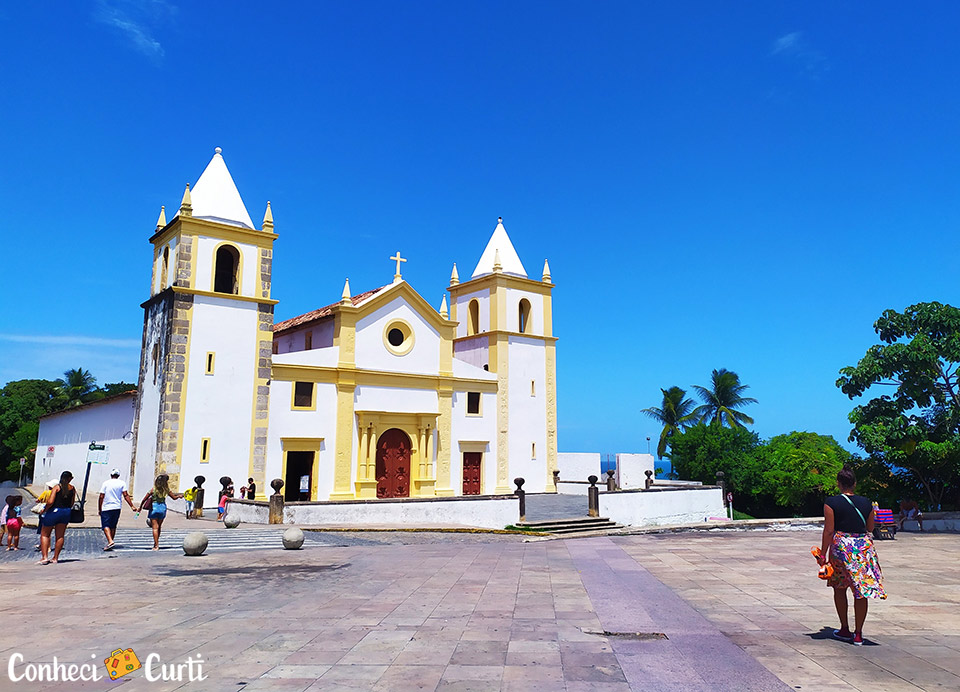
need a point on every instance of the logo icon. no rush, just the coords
(121, 662)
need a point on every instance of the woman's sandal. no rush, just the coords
(44, 562)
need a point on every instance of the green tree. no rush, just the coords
(914, 431)
(700, 451)
(722, 399)
(800, 468)
(22, 402)
(675, 413)
(76, 385)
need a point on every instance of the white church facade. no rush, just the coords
(377, 395)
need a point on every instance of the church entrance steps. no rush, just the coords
(578, 526)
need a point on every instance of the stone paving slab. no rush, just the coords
(740, 612)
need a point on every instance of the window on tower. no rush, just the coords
(524, 316)
(473, 323)
(227, 270)
(473, 403)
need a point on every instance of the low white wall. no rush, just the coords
(485, 512)
(663, 507)
(631, 468)
(578, 466)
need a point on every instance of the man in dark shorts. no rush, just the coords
(112, 494)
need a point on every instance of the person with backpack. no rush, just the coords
(55, 518)
(848, 546)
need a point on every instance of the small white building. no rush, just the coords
(63, 443)
(377, 395)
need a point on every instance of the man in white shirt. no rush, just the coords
(112, 494)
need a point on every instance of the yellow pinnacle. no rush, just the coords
(186, 208)
(162, 219)
(497, 267)
(268, 216)
(345, 296)
(546, 272)
(454, 277)
(443, 308)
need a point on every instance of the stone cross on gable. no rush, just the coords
(398, 259)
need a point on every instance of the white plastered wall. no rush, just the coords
(70, 434)
(474, 429)
(321, 337)
(320, 423)
(219, 406)
(158, 283)
(205, 249)
(528, 414)
(372, 352)
(535, 325)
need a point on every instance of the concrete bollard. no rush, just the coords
(292, 538)
(194, 543)
(231, 521)
(276, 502)
(522, 495)
(593, 497)
(611, 481)
(556, 480)
(649, 482)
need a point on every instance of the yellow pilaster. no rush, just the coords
(548, 315)
(551, 386)
(444, 443)
(343, 455)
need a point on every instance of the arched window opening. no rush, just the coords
(524, 316)
(227, 270)
(165, 263)
(473, 321)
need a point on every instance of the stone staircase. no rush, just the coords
(575, 526)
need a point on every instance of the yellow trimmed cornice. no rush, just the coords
(405, 290)
(191, 226)
(536, 337)
(229, 296)
(492, 281)
(348, 377)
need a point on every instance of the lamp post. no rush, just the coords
(648, 444)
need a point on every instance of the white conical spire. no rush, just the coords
(500, 244)
(215, 196)
(443, 308)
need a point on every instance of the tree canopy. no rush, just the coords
(722, 399)
(914, 430)
(675, 413)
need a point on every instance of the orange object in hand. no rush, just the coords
(826, 571)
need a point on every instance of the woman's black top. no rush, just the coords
(64, 498)
(845, 517)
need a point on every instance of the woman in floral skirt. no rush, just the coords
(848, 545)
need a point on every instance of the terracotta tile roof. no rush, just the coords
(321, 313)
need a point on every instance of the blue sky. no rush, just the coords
(741, 185)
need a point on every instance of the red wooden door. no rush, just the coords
(471, 473)
(393, 464)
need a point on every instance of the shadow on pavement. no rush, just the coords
(827, 633)
(257, 571)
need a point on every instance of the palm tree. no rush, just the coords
(675, 413)
(75, 385)
(722, 399)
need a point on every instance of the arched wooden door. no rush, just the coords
(393, 464)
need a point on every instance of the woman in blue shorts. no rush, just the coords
(156, 503)
(55, 517)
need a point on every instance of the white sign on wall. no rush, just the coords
(98, 454)
(50, 452)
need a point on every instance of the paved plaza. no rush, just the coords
(407, 611)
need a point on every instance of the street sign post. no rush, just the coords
(23, 463)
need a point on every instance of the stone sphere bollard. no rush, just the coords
(292, 538)
(231, 521)
(194, 543)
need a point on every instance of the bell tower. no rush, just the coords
(506, 326)
(207, 341)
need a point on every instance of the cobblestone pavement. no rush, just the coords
(488, 612)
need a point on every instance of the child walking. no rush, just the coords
(14, 521)
(189, 497)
